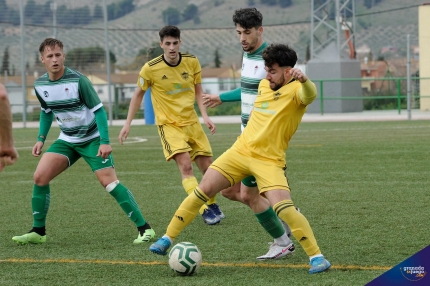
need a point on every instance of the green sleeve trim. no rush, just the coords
(232, 95)
(45, 123)
(102, 125)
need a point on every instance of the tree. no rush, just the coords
(269, 2)
(90, 58)
(285, 3)
(98, 12)
(5, 62)
(217, 59)
(251, 3)
(171, 16)
(30, 8)
(190, 12)
(3, 9)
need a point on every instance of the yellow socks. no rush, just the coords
(189, 184)
(299, 226)
(186, 212)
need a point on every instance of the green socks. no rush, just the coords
(270, 222)
(127, 202)
(40, 204)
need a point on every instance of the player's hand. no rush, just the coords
(211, 100)
(298, 75)
(124, 134)
(8, 156)
(104, 151)
(37, 149)
(210, 125)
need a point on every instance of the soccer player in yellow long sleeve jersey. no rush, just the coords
(175, 82)
(260, 151)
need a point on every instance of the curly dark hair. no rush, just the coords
(50, 42)
(169, 31)
(279, 54)
(248, 18)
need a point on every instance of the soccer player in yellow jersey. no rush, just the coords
(260, 151)
(175, 82)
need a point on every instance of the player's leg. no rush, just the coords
(55, 160)
(203, 163)
(224, 172)
(201, 154)
(282, 245)
(212, 182)
(105, 173)
(174, 140)
(189, 182)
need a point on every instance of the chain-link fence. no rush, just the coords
(131, 34)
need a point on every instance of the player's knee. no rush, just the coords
(231, 194)
(40, 179)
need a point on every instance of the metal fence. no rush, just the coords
(91, 30)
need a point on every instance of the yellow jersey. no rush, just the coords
(172, 88)
(274, 120)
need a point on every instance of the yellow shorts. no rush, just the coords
(235, 166)
(181, 139)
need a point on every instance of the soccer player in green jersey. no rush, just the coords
(248, 22)
(8, 153)
(175, 82)
(69, 96)
(260, 151)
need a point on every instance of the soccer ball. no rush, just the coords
(185, 258)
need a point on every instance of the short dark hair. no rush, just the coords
(50, 42)
(169, 31)
(279, 54)
(248, 18)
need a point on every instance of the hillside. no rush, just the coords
(129, 34)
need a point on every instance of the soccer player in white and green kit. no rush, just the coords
(248, 22)
(69, 96)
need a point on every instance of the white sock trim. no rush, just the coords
(314, 256)
(111, 186)
(166, 236)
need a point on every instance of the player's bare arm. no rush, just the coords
(135, 103)
(211, 100)
(199, 98)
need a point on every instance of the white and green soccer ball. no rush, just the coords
(185, 258)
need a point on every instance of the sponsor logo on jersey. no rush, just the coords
(45, 93)
(141, 81)
(255, 69)
(276, 95)
(164, 77)
(264, 104)
(69, 119)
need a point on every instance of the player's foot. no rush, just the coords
(147, 236)
(30, 237)
(319, 264)
(215, 208)
(209, 217)
(277, 251)
(161, 246)
(286, 227)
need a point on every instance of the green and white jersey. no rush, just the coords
(252, 73)
(73, 101)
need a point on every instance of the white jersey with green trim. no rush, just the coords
(252, 73)
(73, 101)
